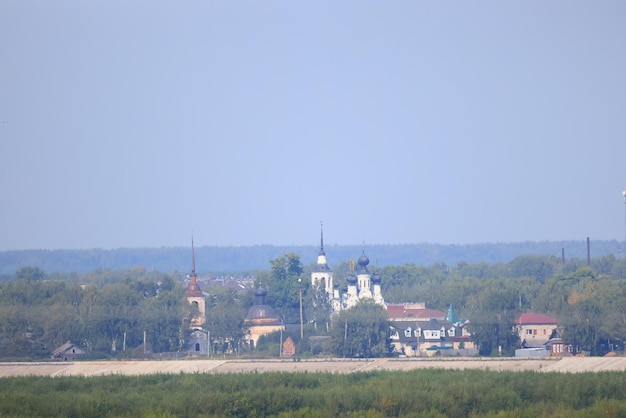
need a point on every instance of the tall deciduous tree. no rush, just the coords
(284, 284)
(317, 307)
(492, 313)
(226, 311)
(360, 331)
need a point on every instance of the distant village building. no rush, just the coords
(539, 335)
(419, 331)
(556, 347)
(67, 351)
(535, 329)
(261, 319)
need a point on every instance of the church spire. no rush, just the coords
(321, 256)
(193, 289)
(322, 239)
(193, 259)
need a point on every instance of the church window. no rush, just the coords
(195, 305)
(197, 346)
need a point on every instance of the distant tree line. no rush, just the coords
(239, 260)
(38, 315)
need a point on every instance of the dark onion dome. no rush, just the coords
(352, 279)
(260, 313)
(363, 262)
(259, 296)
(376, 278)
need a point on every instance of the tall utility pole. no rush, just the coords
(300, 293)
(624, 194)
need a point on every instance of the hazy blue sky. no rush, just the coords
(136, 123)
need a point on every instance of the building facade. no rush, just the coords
(535, 329)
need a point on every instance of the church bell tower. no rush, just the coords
(322, 274)
(194, 295)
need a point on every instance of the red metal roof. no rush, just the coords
(193, 290)
(401, 311)
(535, 319)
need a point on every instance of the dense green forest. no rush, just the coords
(229, 260)
(108, 313)
(418, 393)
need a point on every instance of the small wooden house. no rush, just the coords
(68, 351)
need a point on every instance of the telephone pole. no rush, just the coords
(624, 194)
(300, 294)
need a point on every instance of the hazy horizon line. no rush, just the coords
(364, 245)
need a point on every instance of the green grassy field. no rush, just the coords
(417, 393)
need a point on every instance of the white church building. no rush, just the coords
(362, 284)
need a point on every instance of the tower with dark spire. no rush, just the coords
(321, 256)
(194, 294)
(322, 274)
